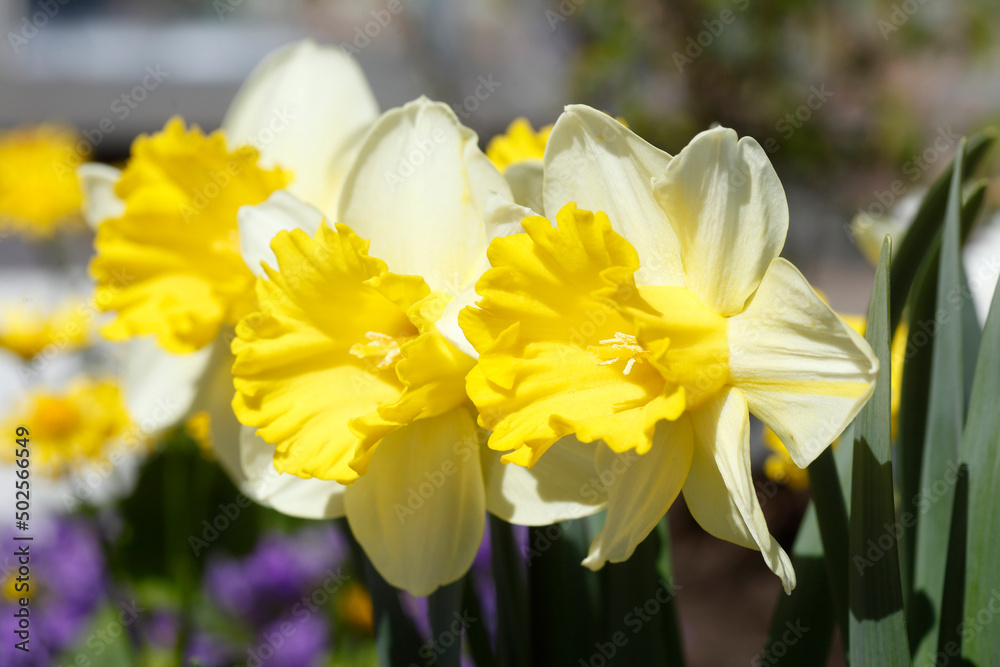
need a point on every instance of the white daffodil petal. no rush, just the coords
(299, 108)
(215, 396)
(420, 510)
(525, 180)
(981, 257)
(258, 224)
(503, 218)
(600, 164)
(562, 485)
(728, 209)
(804, 372)
(418, 191)
(447, 325)
(97, 182)
(640, 490)
(288, 494)
(719, 489)
(160, 387)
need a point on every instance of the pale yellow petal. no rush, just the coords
(641, 490)
(304, 498)
(97, 183)
(526, 180)
(420, 511)
(562, 485)
(805, 373)
(595, 161)
(418, 190)
(302, 108)
(259, 224)
(728, 209)
(719, 489)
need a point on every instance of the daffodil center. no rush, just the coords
(380, 349)
(621, 347)
(687, 343)
(55, 417)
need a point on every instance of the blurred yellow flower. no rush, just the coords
(355, 607)
(72, 428)
(779, 466)
(27, 332)
(171, 264)
(519, 143)
(39, 191)
(8, 589)
(199, 428)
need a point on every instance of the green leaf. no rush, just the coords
(913, 248)
(106, 643)
(877, 623)
(512, 595)
(915, 390)
(945, 414)
(810, 605)
(564, 597)
(397, 641)
(980, 447)
(670, 623)
(831, 512)
(443, 609)
(640, 615)
(477, 635)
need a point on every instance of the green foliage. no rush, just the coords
(877, 620)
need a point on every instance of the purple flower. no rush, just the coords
(294, 641)
(277, 574)
(277, 591)
(210, 651)
(67, 582)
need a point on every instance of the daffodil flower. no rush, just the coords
(353, 371)
(169, 259)
(655, 315)
(27, 332)
(39, 193)
(83, 445)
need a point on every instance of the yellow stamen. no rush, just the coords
(381, 347)
(612, 350)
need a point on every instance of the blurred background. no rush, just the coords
(858, 104)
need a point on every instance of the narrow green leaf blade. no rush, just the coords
(810, 605)
(644, 582)
(981, 456)
(563, 595)
(877, 624)
(512, 595)
(831, 512)
(945, 416)
(915, 390)
(477, 636)
(444, 607)
(397, 641)
(914, 246)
